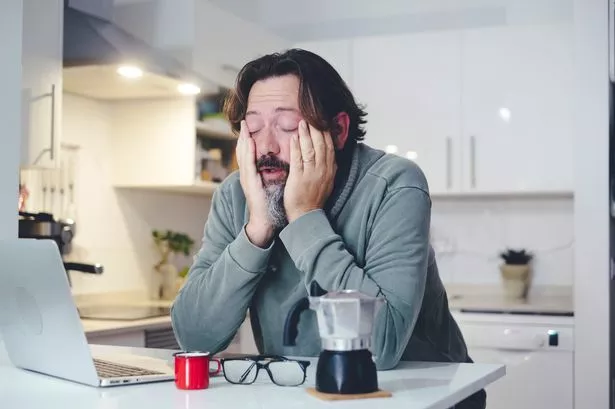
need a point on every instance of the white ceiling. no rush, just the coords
(299, 20)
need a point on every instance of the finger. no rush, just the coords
(307, 148)
(241, 144)
(296, 162)
(238, 145)
(250, 156)
(320, 149)
(329, 149)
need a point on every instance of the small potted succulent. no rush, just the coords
(168, 244)
(516, 272)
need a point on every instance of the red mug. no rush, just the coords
(192, 369)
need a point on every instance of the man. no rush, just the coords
(311, 202)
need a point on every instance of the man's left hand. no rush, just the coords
(312, 171)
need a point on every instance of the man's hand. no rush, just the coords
(312, 171)
(259, 229)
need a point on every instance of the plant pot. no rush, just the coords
(516, 280)
(168, 274)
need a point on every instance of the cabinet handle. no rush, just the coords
(473, 161)
(52, 136)
(611, 40)
(449, 169)
(52, 149)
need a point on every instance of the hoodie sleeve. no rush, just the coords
(395, 267)
(213, 302)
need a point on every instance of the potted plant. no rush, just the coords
(168, 244)
(516, 273)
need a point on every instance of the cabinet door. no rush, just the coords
(153, 142)
(517, 108)
(410, 86)
(42, 82)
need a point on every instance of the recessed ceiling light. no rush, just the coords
(391, 149)
(130, 71)
(188, 89)
(505, 114)
(412, 155)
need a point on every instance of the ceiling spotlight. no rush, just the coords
(188, 89)
(130, 71)
(391, 149)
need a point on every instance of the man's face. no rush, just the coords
(273, 117)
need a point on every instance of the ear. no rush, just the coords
(339, 133)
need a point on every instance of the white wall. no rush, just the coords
(114, 226)
(468, 234)
(591, 284)
(10, 114)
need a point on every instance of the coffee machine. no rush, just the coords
(345, 323)
(45, 226)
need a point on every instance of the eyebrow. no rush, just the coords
(279, 109)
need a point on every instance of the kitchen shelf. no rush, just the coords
(199, 188)
(215, 128)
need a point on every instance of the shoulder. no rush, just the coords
(397, 173)
(229, 191)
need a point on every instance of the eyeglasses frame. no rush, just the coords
(265, 366)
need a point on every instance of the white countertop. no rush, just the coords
(98, 327)
(487, 298)
(472, 298)
(413, 384)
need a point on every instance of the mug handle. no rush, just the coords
(217, 371)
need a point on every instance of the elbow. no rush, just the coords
(386, 362)
(178, 326)
(391, 337)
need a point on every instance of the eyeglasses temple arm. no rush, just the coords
(245, 374)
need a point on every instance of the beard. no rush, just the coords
(274, 190)
(274, 193)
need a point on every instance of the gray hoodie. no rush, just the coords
(373, 236)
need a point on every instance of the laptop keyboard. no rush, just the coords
(106, 369)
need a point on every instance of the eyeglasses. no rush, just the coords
(282, 371)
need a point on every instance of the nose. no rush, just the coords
(266, 143)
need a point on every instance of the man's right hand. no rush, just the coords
(259, 229)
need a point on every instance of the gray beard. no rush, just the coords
(274, 194)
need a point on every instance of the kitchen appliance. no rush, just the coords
(40, 316)
(537, 349)
(94, 47)
(345, 322)
(62, 232)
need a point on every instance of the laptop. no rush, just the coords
(41, 328)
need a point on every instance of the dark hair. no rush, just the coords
(322, 92)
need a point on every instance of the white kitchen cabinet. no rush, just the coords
(154, 145)
(410, 85)
(482, 111)
(42, 83)
(517, 115)
(153, 142)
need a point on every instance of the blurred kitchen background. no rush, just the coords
(480, 93)
(479, 96)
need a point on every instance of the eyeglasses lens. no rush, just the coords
(240, 371)
(287, 373)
